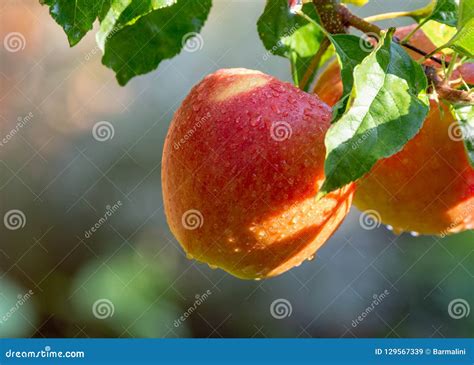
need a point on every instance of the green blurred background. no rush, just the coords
(130, 278)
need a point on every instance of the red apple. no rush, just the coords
(242, 164)
(428, 187)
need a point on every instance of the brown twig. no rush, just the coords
(421, 52)
(373, 30)
(346, 18)
(446, 92)
(330, 16)
(353, 20)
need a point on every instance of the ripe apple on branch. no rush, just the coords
(257, 173)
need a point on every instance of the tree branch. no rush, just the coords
(445, 91)
(337, 17)
(373, 31)
(330, 16)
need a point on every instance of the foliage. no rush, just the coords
(135, 35)
(384, 91)
(387, 108)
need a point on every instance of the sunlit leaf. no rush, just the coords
(387, 108)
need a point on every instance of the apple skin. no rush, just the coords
(428, 187)
(243, 162)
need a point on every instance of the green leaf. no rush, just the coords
(463, 41)
(445, 11)
(387, 108)
(126, 12)
(465, 117)
(139, 47)
(76, 17)
(350, 51)
(438, 33)
(288, 35)
(466, 12)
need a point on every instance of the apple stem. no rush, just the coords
(451, 67)
(444, 91)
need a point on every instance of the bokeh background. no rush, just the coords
(130, 278)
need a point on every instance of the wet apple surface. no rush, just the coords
(242, 165)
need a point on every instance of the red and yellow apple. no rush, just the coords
(242, 165)
(428, 187)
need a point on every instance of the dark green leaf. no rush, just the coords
(76, 17)
(289, 35)
(138, 48)
(445, 11)
(465, 117)
(122, 13)
(387, 109)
